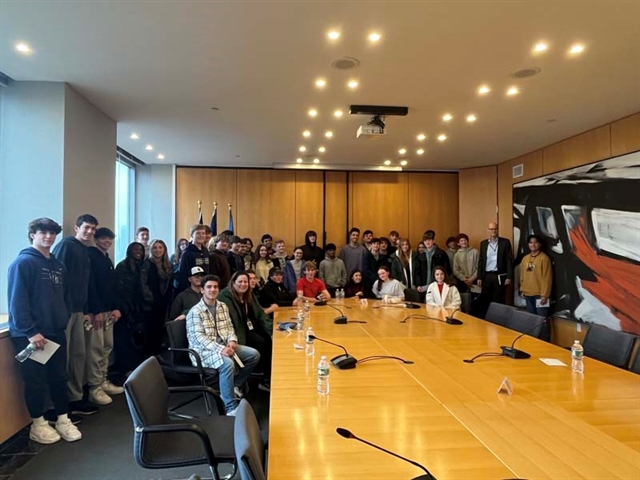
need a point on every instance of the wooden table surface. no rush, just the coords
(442, 412)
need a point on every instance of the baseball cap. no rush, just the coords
(196, 271)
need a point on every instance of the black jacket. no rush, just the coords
(277, 293)
(102, 282)
(505, 258)
(218, 265)
(421, 275)
(236, 262)
(191, 257)
(75, 257)
(370, 267)
(311, 251)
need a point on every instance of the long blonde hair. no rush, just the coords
(163, 263)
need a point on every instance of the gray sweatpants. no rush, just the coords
(99, 344)
(76, 355)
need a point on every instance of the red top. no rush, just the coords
(310, 289)
(440, 286)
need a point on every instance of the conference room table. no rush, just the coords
(440, 411)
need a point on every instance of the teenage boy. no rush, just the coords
(234, 255)
(313, 289)
(394, 242)
(188, 298)
(218, 263)
(38, 314)
(73, 253)
(372, 261)
(142, 236)
(267, 241)
(103, 314)
(367, 237)
(353, 253)
(332, 270)
(536, 278)
(195, 255)
(465, 264)
(280, 257)
(433, 257)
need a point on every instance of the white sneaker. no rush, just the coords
(97, 396)
(111, 389)
(43, 433)
(232, 413)
(68, 430)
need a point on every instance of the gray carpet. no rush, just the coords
(106, 450)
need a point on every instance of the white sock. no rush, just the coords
(39, 421)
(63, 418)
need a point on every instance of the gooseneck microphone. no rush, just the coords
(448, 320)
(451, 320)
(340, 320)
(512, 352)
(343, 432)
(341, 362)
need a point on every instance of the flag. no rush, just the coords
(231, 229)
(200, 222)
(214, 220)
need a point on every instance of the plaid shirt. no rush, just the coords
(202, 329)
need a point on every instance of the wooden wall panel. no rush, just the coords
(208, 185)
(532, 168)
(14, 411)
(266, 204)
(579, 150)
(625, 135)
(433, 204)
(336, 208)
(478, 200)
(308, 206)
(378, 202)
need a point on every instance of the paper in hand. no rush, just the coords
(43, 356)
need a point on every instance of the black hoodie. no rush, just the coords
(310, 252)
(191, 257)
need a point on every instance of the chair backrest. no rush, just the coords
(609, 346)
(499, 313)
(248, 443)
(525, 322)
(635, 366)
(147, 394)
(466, 302)
(177, 335)
(411, 295)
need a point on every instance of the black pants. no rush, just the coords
(261, 341)
(129, 337)
(492, 290)
(51, 377)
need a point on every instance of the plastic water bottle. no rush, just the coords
(309, 348)
(577, 352)
(307, 310)
(323, 376)
(26, 353)
(300, 320)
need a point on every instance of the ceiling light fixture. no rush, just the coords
(333, 35)
(23, 48)
(298, 160)
(447, 117)
(338, 113)
(160, 156)
(471, 118)
(353, 84)
(134, 136)
(302, 148)
(374, 37)
(322, 149)
(306, 134)
(316, 160)
(313, 112)
(328, 134)
(483, 90)
(421, 137)
(442, 137)
(404, 163)
(402, 151)
(149, 147)
(387, 162)
(576, 49)
(321, 83)
(540, 47)
(420, 151)
(513, 91)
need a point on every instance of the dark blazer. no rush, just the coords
(505, 258)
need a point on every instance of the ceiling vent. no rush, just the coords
(345, 63)
(526, 72)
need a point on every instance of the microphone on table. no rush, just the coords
(340, 320)
(412, 306)
(343, 432)
(453, 321)
(341, 362)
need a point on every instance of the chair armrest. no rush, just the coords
(183, 427)
(201, 389)
(195, 354)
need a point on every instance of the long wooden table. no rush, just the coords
(442, 412)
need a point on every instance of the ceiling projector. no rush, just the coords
(375, 128)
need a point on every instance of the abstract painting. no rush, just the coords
(589, 218)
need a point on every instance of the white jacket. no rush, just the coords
(450, 296)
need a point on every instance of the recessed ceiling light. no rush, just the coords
(447, 117)
(338, 113)
(160, 156)
(134, 136)
(404, 163)
(313, 112)
(442, 137)
(540, 47)
(421, 137)
(316, 160)
(387, 162)
(333, 34)
(576, 49)
(328, 134)
(322, 149)
(483, 90)
(148, 147)
(298, 160)
(306, 134)
(402, 151)
(302, 148)
(321, 83)
(511, 91)
(374, 37)
(471, 118)
(420, 151)
(23, 47)
(352, 84)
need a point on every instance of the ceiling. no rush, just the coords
(158, 68)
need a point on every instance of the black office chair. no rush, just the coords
(466, 302)
(525, 322)
(635, 365)
(609, 346)
(250, 450)
(499, 313)
(180, 362)
(412, 295)
(161, 442)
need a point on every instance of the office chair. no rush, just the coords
(161, 442)
(499, 313)
(609, 346)
(412, 295)
(525, 322)
(250, 450)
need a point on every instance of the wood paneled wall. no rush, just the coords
(478, 193)
(288, 203)
(14, 411)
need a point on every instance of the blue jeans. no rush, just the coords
(233, 376)
(531, 306)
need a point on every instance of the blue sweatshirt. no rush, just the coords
(75, 257)
(36, 295)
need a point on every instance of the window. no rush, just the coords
(125, 185)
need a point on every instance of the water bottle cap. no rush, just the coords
(323, 357)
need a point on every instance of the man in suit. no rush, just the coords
(495, 266)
